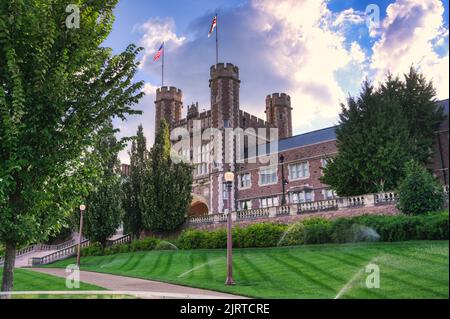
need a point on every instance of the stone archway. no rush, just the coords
(198, 206)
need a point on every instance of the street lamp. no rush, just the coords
(229, 178)
(82, 209)
(283, 181)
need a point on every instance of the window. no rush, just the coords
(269, 201)
(268, 176)
(226, 123)
(245, 181)
(201, 157)
(245, 204)
(328, 194)
(301, 197)
(298, 170)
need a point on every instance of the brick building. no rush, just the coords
(256, 184)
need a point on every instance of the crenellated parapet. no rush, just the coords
(223, 70)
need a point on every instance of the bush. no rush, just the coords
(419, 191)
(165, 245)
(258, 235)
(93, 250)
(308, 231)
(148, 243)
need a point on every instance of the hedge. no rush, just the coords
(431, 226)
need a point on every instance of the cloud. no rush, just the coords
(299, 47)
(154, 32)
(409, 35)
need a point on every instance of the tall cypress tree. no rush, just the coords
(373, 145)
(417, 97)
(167, 186)
(132, 187)
(104, 203)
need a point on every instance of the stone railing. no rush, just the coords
(40, 247)
(60, 254)
(122, 240)
(370, 200)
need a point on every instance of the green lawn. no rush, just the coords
(27, 280)
(407, 270)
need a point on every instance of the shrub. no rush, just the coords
(308, 231)
(419, 191)
(192, 239)
(165, 245)
(93, 250)
(258, 235)
(148, 243)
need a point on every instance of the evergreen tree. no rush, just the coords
(167, 187)
(417, 97)
(132, 187)
(104, 204)
(57, 86)
(373, 145)
(419, 192)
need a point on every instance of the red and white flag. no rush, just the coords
(213, 26)
(159, 53)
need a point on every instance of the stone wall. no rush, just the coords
(289, 219)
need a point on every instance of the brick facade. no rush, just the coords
(304, 154)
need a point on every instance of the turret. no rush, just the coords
(279, 113)
(168, 104)
(224, 84)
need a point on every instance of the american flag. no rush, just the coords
(213, 25)
(159, 53)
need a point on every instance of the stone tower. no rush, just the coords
(225, 85)
(168, 105)
(278, 113)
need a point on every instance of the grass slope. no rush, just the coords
(27, 280)
(407, 270)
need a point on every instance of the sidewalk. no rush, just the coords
(140, 287)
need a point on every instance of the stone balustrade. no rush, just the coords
(341, 203)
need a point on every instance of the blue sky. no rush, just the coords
(318, 51)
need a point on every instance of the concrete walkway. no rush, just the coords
(140, 287)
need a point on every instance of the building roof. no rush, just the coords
(323, 135)
(319, 136)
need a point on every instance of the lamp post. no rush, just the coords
(229, 178)
(283, 181)
(82, 209)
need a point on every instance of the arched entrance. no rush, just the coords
(198, 206)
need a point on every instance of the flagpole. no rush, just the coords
(162, 66)
(217, 39)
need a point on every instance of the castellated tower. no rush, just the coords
(278, 113)
(168, 104)
(224, 84)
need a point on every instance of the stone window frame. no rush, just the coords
(242, 204)
(302, 177)
(304, 191)
(274, 199)
(267, 168)
(240, 181)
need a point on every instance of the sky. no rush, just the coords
(317, 51)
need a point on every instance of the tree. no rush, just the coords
(373, 145)
(132, 187)
(104, 204)
(417, 98)
(57, 87)
(419, 191)
(167, 187)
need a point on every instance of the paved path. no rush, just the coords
(24, 260)
(140, 287)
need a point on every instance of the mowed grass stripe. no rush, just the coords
(396, 276)
(314, 271)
